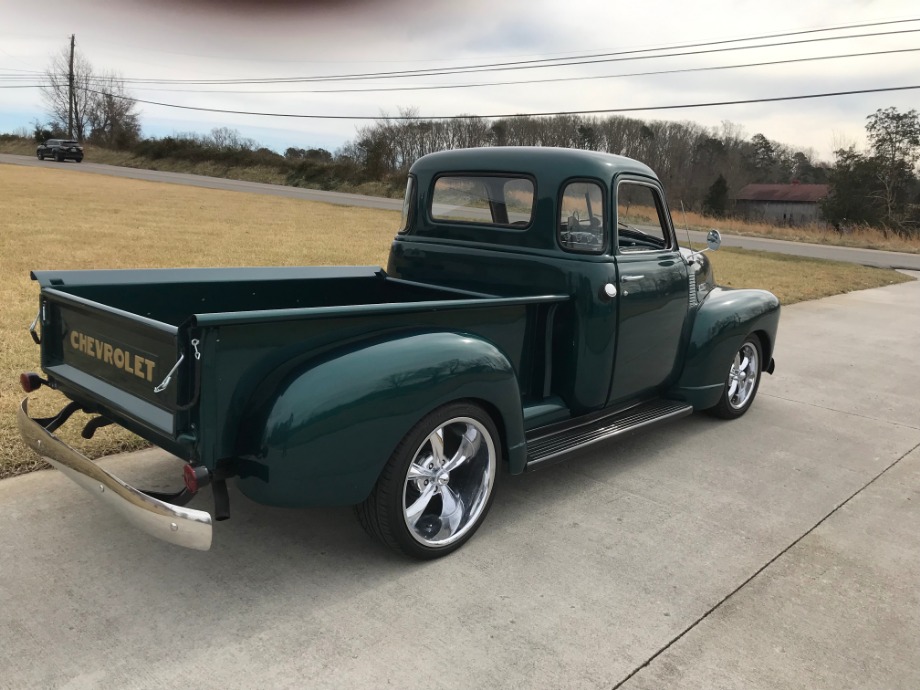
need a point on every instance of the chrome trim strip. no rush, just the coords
(177, 525)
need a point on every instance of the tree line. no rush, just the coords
(879, 187)
(699, 166)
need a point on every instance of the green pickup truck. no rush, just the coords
(535, 302)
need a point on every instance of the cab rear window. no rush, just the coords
(498, 200)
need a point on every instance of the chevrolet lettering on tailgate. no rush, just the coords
(121, 359)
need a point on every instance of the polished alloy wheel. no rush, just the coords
(742, 379)
(438, 483)
(449, 481)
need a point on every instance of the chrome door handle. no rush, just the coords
(627, 279)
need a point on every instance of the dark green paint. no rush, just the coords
(326, 431)
(309, 377)
(722, 322)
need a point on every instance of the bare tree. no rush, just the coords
(111, 115)
(102, 110)
(56, 92)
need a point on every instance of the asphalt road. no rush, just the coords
(209, 182)
(780, 550)
(867, 257)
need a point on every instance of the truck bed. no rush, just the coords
(110, 338)
(172, 296)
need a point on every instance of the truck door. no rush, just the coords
(652, 293)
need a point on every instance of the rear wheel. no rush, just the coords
(742, 382)
(437, 486)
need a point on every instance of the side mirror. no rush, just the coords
(713, 240)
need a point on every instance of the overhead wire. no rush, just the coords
(619, 56)
(598, 111)
(568, 54)
(438, 87)
(11, 80)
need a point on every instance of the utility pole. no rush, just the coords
(70, 101)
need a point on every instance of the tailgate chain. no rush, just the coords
(162, 387)
(165, 383)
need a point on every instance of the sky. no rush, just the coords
(235, 39)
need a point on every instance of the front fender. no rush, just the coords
(722, 322)
(331, 425)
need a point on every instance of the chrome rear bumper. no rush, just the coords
(175, 524)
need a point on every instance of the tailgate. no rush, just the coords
(114, 358)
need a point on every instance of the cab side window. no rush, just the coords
(641, 221)
(582, 222)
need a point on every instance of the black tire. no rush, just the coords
(79, 160)
(41, 156)
(59, 157)
(449, 505)
(747, 365)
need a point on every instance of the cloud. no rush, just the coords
(182, 39)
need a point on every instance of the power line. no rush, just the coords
(620, 56)
(529, 64)
(599, 111)
(521, 82)
(685, 70)
(570, 54)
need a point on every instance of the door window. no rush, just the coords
(641, 222)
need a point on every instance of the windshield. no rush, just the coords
(70, 143)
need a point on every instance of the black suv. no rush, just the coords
(60, 149)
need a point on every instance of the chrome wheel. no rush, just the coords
(740, 387)
(448, 482)
(742, 379)
(437, 486)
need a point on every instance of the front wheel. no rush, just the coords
(437, 486)
(742, 382)
(41, 156)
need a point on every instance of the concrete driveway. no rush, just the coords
(781, 550)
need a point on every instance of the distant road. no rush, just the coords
(866, 257)
(210, 182)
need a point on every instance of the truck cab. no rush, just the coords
(593, 226)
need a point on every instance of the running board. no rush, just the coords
(543, 448)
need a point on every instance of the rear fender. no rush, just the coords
(722, 322)
(329, 428)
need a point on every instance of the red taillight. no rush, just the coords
(30, 381)
(195, 477)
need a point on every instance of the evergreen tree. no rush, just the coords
(716, 201)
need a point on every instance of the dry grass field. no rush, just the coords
(53, 220)
(818, 233)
